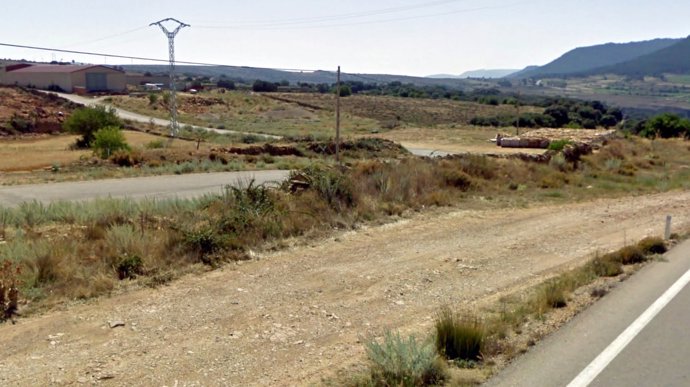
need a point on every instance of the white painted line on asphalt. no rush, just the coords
(599, 364)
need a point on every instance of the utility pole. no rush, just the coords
(337, 119)
(517, 107)
(174, 126)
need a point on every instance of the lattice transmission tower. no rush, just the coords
(174, 126)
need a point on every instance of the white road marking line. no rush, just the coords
(599, 364)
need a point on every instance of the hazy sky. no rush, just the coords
(413, 37)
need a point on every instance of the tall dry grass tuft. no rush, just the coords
(459, 338)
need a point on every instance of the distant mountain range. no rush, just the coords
(635, 59)
(499, 73)
(652, 57)
(250, 74)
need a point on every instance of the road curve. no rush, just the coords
(158, 187)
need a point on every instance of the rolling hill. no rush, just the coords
(674, 59)
(589, 59)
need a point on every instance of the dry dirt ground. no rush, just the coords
(293, 316)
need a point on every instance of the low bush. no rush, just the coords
(108, 140)
(9, 292)
(332, 185)
(129, 266)
(403, 362)
(652, 245)
(602, 267)
(628, 255)
(126, 158)
(457, 338)
(558, 145)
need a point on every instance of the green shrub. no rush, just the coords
(86, 121)
(153, 98)
(457, 338)
(652, 245)
(558, 145)
(399, 362)
(108, 140)
(203, 241)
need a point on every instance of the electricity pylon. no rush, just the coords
(174, 126)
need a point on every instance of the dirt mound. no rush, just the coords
(25, 112)
(256, 150)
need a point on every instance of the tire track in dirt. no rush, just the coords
(293, 316)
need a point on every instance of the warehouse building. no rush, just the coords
(79, 79)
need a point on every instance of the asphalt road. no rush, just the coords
(159, 187)
(657, 354)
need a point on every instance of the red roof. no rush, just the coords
(56, 68)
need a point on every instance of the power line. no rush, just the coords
(344, 16)
(311, 25)
(147, 59)
(368, 77)
(83, 43)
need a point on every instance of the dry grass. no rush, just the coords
(250, 112)
(38, 153)
(28, 154)
(394, 111)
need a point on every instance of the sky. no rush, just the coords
(409, 37)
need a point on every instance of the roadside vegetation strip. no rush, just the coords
(473, 340)
(66, 250)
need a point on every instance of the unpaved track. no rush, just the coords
(295, 315)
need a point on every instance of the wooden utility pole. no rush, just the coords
(517, 107)
(337, 119)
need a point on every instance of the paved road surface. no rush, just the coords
(182, 186)
(658, 356)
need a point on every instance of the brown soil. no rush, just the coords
(294, 316)
(39, 112)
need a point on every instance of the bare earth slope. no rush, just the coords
(295, 315)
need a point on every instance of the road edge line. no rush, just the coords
(589, 373)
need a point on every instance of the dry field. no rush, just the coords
(248, 112)
(41, 152)
(393, 111)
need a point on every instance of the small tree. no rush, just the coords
(108, 140)
(667, 125)
(345, 90)
(86, 121)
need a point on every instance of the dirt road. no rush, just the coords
(290, 317)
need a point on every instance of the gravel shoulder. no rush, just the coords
(293, 316)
